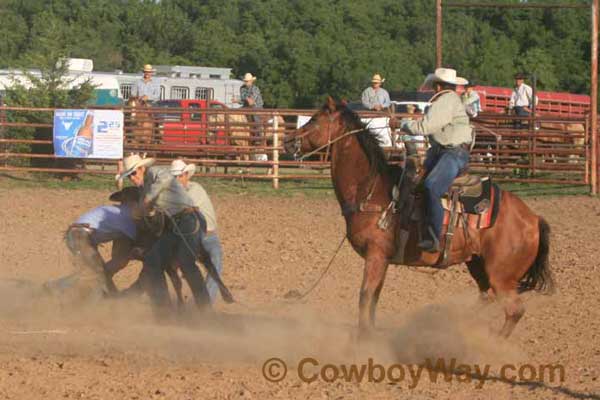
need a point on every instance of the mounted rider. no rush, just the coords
(447, 124)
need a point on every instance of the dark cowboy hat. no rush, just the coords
(130, 193)
(520, 75)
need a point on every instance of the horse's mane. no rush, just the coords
(368, 141)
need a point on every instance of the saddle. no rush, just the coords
(471, 201)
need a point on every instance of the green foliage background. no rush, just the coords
(302, 50)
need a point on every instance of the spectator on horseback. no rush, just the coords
(184, 228)
(147, 89)
(210, 242)
(446, 123)
(250, 97)
(521, 99)
(375, 97)
(471, 100)
(109, 223)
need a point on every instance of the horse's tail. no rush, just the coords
(538, 276)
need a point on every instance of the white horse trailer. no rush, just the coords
(180, 82)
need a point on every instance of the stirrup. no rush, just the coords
(431, 245)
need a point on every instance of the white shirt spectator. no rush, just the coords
(521, 97)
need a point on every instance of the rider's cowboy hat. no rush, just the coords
(248, 77)
(377, 79)
(133, 162)
(130, 193)
(445, 75)
(148, 68)
(179, 167)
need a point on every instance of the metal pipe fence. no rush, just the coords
(247, 143)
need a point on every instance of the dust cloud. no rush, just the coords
(41, 323)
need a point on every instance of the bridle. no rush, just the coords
(327, 146)
(362, 206)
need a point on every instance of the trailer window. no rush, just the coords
(126, 90)
(204, 93)
(180, 92)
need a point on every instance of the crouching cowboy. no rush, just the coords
(181, 237)
(109, 223)
(446, 123)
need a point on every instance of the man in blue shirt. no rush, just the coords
(375, 97)
(250, 97)
(147, 88)
(111, 223)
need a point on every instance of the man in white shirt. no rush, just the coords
(521, 99)
(210, 242)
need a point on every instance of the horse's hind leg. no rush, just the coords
(513, 310)
(373, 278)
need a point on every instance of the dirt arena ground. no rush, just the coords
(273, 245)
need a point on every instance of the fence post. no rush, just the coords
(275, 152)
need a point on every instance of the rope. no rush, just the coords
(297, 297)
(316, 283)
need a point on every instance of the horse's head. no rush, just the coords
(136, 101)
(324, 127)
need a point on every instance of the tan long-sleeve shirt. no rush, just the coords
(446, 121)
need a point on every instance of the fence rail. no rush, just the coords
(234, 143)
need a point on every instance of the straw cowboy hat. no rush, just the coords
(148, 68)
(248, 77)
(131, 193)
(133, 162)
(179, 167)
(445, 75)
(377, 79)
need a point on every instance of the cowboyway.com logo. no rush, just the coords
(440, 370)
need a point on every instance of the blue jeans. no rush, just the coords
(443, 166)
(521, 112)
(172, 247)
(212, 246)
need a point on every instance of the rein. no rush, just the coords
(329, 142)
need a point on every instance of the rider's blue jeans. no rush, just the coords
(212, 246)
(443, 166)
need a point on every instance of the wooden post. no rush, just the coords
(438, 33)
(594, 99)
(275, 152)
(119, 170)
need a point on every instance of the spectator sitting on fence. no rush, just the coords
(375, 97)
(471, 100)
(521, 99)
(250, 97)
(210, 242)
(147, 88)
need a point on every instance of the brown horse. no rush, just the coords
(505, 259)
(141, 124)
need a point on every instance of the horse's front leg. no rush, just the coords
(373, 278)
